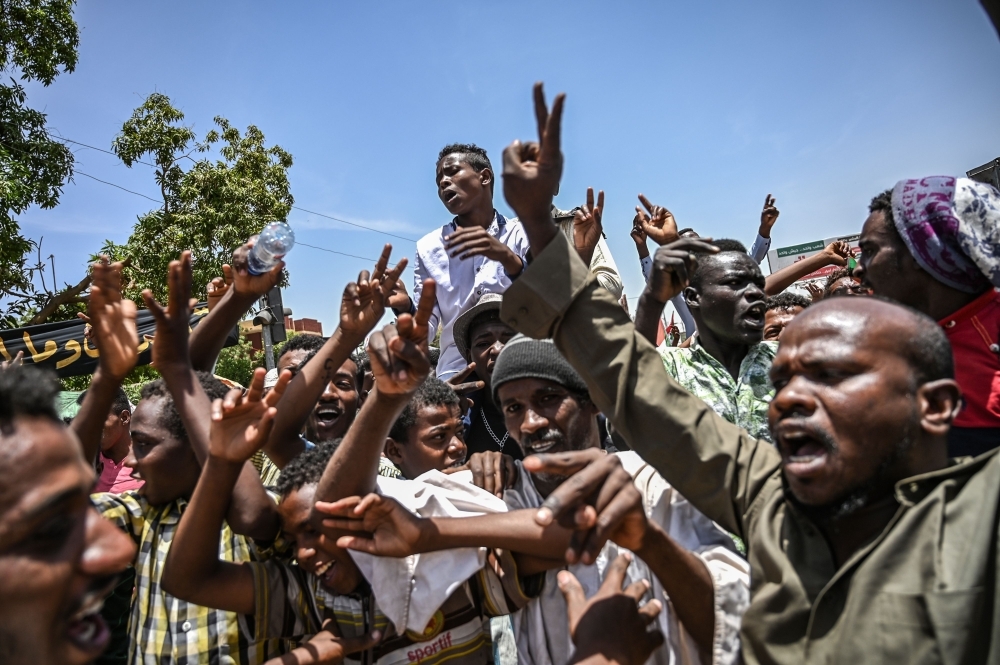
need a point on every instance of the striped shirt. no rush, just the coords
(164, 629)
(292, 604)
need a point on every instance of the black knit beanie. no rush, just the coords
(526, 358)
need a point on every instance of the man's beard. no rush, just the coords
(861, 495)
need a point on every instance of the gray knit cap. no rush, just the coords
(526, 358)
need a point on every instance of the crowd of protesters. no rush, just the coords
(809, 475)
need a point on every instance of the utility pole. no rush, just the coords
(271, 319)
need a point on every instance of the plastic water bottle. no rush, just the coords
(274, 242)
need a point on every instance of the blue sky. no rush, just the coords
(704, 107)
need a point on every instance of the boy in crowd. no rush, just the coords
(116, 444)
(480, 336)
(298, 601)
(429, 433)
(781, 309)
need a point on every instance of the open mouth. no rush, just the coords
(87, 629)
(541, 445)
(448, 196)
(457, 463)
(325, 572)
(326, 416)
(803, 455)
(755, 315)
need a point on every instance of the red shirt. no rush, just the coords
(974, 333)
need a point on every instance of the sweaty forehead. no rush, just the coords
(716, 266)
(451, 159)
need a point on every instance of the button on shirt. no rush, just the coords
(742, 401)
(923, 591)
(974, 333)
(460, 283)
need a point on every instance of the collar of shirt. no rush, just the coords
(758, 355)
(966, 313)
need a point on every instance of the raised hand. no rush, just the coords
(587, 228)
(768, 216)
(531, 172)
(170, 343)
(659, 224)
(385, 527)
(491, 470)
(600, 504)
(399, 353)
(639, 237)
(673, 265)
(611, 626)
(364, 301)
(469, 241)
(245, 283)
(215, 289)
(242, 422)
(463, 388)
(16, 361)
(838, 252)
(112, 320)
(399, 298)
(816, 292)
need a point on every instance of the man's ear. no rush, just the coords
(691, 297)
(362, 396)
(939, 403)
(486, 177)
(393, 452)
(125, 417)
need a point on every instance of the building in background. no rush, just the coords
(988, 173)
(251, 332)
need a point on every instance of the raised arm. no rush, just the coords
(242, 290)
(718, 467)
(400, 364)
(667, 279)
(362, 305)
(252, 512)
(834, 254)
(113, 329)
(193, 571)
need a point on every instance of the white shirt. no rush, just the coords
(541, 628)
(460, 283)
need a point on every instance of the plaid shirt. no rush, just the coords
(742, 401)
(164, 629)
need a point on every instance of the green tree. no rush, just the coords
(212, 207)
(38, 41)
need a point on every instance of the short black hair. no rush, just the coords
(928, 350)
(471, 153)
(787, 300)
(725, 245)
(687, 229)
(434, 355)
(27, 391)
(302, 342)
(883, 203)
(364, 362)
(120, 403)
(214, 388)
(305, 468)
(432, 392)
(833, 278)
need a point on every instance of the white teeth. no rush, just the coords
(322, 569)
(802, 458)
(92, 605)
(87, 634)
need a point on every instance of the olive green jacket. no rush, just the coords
(924, 591)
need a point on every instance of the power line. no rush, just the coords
(77, 172)
(311, 212)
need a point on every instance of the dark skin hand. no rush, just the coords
(327, 648)
(362, 305)
(835, 254)
(659, 225)
(112, 321)
(491, 470)
(469, 241)
(587, 228)
(240, 290)
(251, 512)
(672, 268)
(768, 216)
(639, 237)
(531, 173)
(611, 627)
(600, 502)
(463, 388)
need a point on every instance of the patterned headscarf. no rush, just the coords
(952, 228)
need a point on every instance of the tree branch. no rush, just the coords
(64, 297)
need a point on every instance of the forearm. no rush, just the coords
(515, 531)
(88, 425)
(353, 469)
(512, 263)
(687, 582)
(778, 281)
(302, 393)
(193, 560)
(209, 336)
(647, 316)
(250, 512)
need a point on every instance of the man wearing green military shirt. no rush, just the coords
(866, 543)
